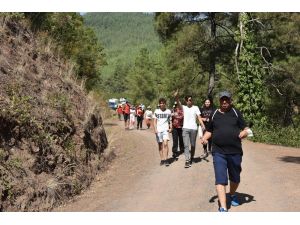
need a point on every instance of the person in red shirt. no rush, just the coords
(126, 114)
(177, 123)
(119, 112)
(139, 117)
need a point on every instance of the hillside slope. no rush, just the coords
(123, 35)
(52, 140)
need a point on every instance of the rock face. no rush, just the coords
(52, 140)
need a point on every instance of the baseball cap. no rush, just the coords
(224, 94)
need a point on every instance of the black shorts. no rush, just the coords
(126, 116)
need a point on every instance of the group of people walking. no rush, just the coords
(182, 122)
(134, 115)
(222, 130)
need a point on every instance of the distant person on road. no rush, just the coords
(206, 111)
(132, 117)
(190, 127)
(139, 117)
(226, 127)
(177, 123)
(119, 112)
(126, 114)
(162, 127)
(148, 117)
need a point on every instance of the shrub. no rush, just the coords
(286, 136)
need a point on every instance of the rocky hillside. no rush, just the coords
(52, 140)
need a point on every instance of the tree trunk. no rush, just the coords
(212, 56)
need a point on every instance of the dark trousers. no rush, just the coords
(177, 137)
(139, 122)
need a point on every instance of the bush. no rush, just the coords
(286, 136)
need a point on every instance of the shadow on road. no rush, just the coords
(199, 159)
(290, 159)
(110, 124)
(171, 160)
(242, 197)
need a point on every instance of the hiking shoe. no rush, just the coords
(234, 200)
(187, 164)
(162, 163)
(167, 163)
(222, 210)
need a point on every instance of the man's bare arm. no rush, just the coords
(206, 136)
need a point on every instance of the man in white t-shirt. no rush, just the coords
(190, 128)
(161, 123)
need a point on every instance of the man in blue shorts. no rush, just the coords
(226, 128)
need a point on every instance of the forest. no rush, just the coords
(145, 56)
(253, 55)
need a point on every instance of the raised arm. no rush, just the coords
(177, 99)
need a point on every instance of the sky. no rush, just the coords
(150, 6)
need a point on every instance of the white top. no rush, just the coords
(132, 111)
(148, 114)
(190, 115)
(163, 119)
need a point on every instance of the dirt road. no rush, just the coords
(135, 182)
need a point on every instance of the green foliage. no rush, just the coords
(280, 38)
(60, 101)
(278, 135)
(19, 107)
(5, 183)
(74, 40)
(123, 35)
(116, 85)
(197, 55)
(196, 45)
(14, 163)
(251, 74)
(69, 146)
(142, 79)
(15, 16)
(166, 24)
